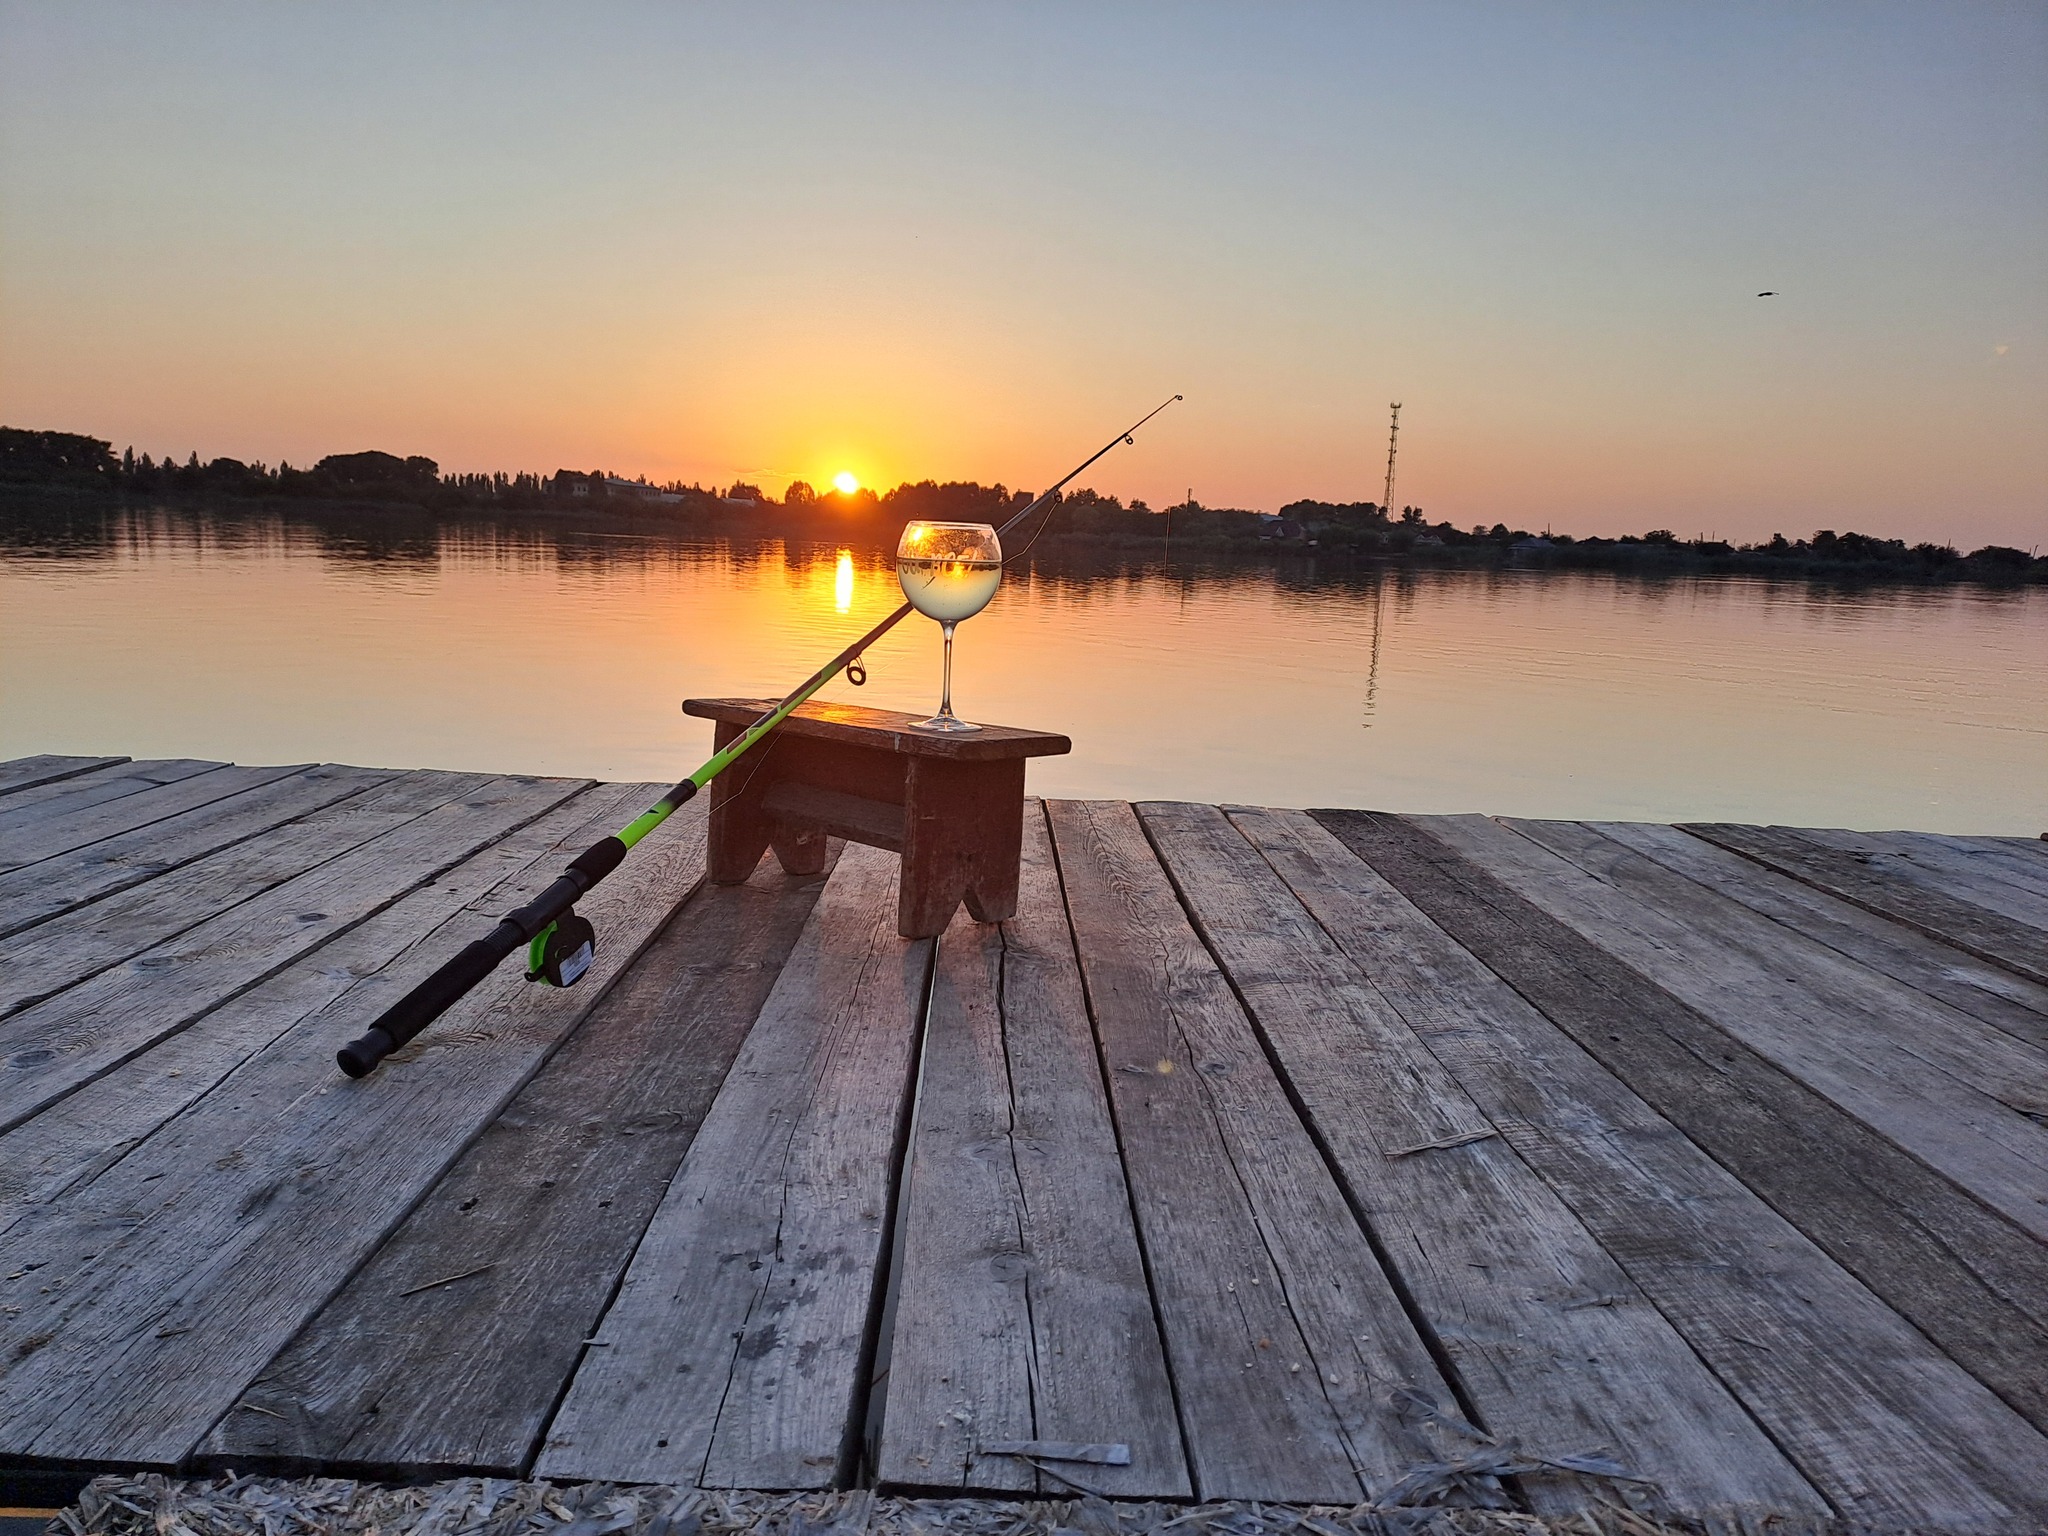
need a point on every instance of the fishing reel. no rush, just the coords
(561, 952)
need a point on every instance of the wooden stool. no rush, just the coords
(951, 805)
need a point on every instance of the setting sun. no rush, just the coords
(845, 483)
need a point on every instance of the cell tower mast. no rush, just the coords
(1393, 435)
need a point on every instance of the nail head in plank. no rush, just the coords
(734, 1350)
(1022, 1309)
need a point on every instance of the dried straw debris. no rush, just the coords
(153, 1505)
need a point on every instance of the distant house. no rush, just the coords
(1283, 529)
(638, 490)
(575, 483)
(1524, 546)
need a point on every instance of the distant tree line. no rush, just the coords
(68, 460)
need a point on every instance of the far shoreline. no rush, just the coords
(405, 522)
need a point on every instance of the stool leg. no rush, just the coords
(802, 850)
(738, 830)
(963, 829)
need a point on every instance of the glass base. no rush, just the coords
(944, 723)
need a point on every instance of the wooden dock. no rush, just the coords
(1299, 1153)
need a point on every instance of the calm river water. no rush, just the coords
(1293, 683)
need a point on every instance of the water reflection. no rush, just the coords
(561, 645)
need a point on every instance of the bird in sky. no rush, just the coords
(1768, 293)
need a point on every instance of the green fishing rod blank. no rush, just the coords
(560, 943)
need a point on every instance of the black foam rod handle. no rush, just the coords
(428, 1001)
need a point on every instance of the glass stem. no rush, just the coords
(946, 688)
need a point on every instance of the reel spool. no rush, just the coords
(561, 952)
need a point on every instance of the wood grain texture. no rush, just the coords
(1976, 987)
(57, 799)
(57, 1046)
(1964, 925)
(48, 768)
(884, 729)
(353, 977)
(100, 806)
(1554, 1345)
(66, 950)
(734, 1352)
(1952, 1091)
(1881, 1421)
(67, 881)
(2010, 859)
(540, 1216)
(150, 1298)
(1287, 1343)
(1935, 864)
(1021, 1311)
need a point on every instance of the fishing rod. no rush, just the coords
(560, 943)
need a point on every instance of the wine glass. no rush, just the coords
(949, 571)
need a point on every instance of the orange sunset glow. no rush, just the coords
(965, 247)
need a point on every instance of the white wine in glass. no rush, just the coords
(949, 571)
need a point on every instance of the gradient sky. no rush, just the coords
(772, 241)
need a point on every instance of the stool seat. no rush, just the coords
(951, 804)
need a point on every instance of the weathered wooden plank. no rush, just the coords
(1954, 1092)
(28, 846)
(1949, 1039)
(539, 1219)
(1021, 1310)
(62, 797)
(90, 1130)
(42, 890)
(1870, 1412)
(2034, 845)
(66, 950)
(53, 1048)
(1973, 929)
(35, 812)
(1288, 1345)
(734, 1353)
(1554, 1345)
(150, 1298)
(1976, 987)
(2011, 861)
(48, 768)
(1926, 861)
